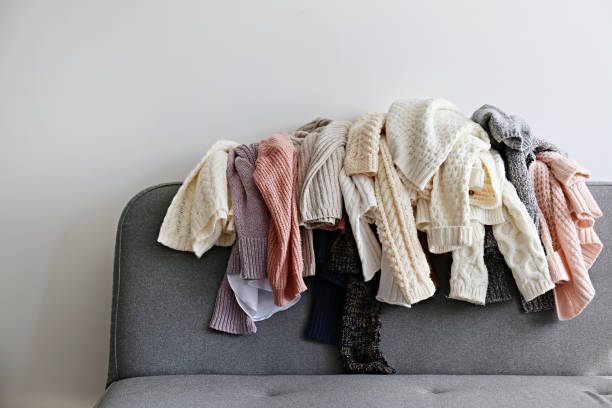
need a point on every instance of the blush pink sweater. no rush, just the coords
(567, 213)
(275, 175)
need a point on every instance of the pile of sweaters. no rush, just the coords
(342, 201)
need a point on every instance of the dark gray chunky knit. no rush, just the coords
(361, 324)
(511, 136)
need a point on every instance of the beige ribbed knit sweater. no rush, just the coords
(320, 146)
(200, 214)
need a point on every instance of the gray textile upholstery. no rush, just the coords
(397, 391)
(163, 300)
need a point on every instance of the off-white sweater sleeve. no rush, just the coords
(518, 241)
(360, 202)
(200, 214)
(469, 275)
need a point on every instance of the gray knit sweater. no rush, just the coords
(511, 136)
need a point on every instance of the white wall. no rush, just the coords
(99, 99)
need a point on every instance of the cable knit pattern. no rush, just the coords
(275, 175)
(320, 145)
(469, 278)
(201, 214)
(566, 216)
(511, 136)
(519, 243)
(398, 234)
(362, 145)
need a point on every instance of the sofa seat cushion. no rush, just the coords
(186, 391)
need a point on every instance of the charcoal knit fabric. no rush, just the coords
(511, 136)
(361, 324)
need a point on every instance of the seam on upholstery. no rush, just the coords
(118, 262)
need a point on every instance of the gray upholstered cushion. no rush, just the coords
(163, 300)
(359, 391)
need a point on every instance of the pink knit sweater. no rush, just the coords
(275, 175)
(567, 213)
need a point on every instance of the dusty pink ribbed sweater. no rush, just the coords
(275, 175)
(567, 212)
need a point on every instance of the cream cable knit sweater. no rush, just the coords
(200, 214)
(518, 241)
(496, 204)
(520, 244)
(398, 234)
(432, 138)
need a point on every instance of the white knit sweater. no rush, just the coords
(200, 214)
(496, 204)
(431, 138)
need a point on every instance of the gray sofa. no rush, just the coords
(447, 353)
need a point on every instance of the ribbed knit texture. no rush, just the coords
(228, 316)
(397, 232)
(251, 215)
(361, 324)
(320, 145)
(201, 214)
(248, 256)
(275, 175)
(362, 145)
(567, 217)
(512, 137)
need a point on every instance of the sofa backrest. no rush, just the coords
(163, 299)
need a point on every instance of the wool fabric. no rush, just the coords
(361, 325)
(362, 145)
(200, 214)
(567, 216)
(275, 176)
(324, 323)
(246, 269)
(357, 184)
(511, 136)
(320, 145)
(431, 138)
(397, 231)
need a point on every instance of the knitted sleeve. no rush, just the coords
(469, 276)
(359, 200)
(518, 241)
(275, 176)
(398, 233)
(201, 214)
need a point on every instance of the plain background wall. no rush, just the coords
(99, 99)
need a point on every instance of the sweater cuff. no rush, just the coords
(476, 294)
(446, 239)
(533, 289)
(422, 291)
(253, 257)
